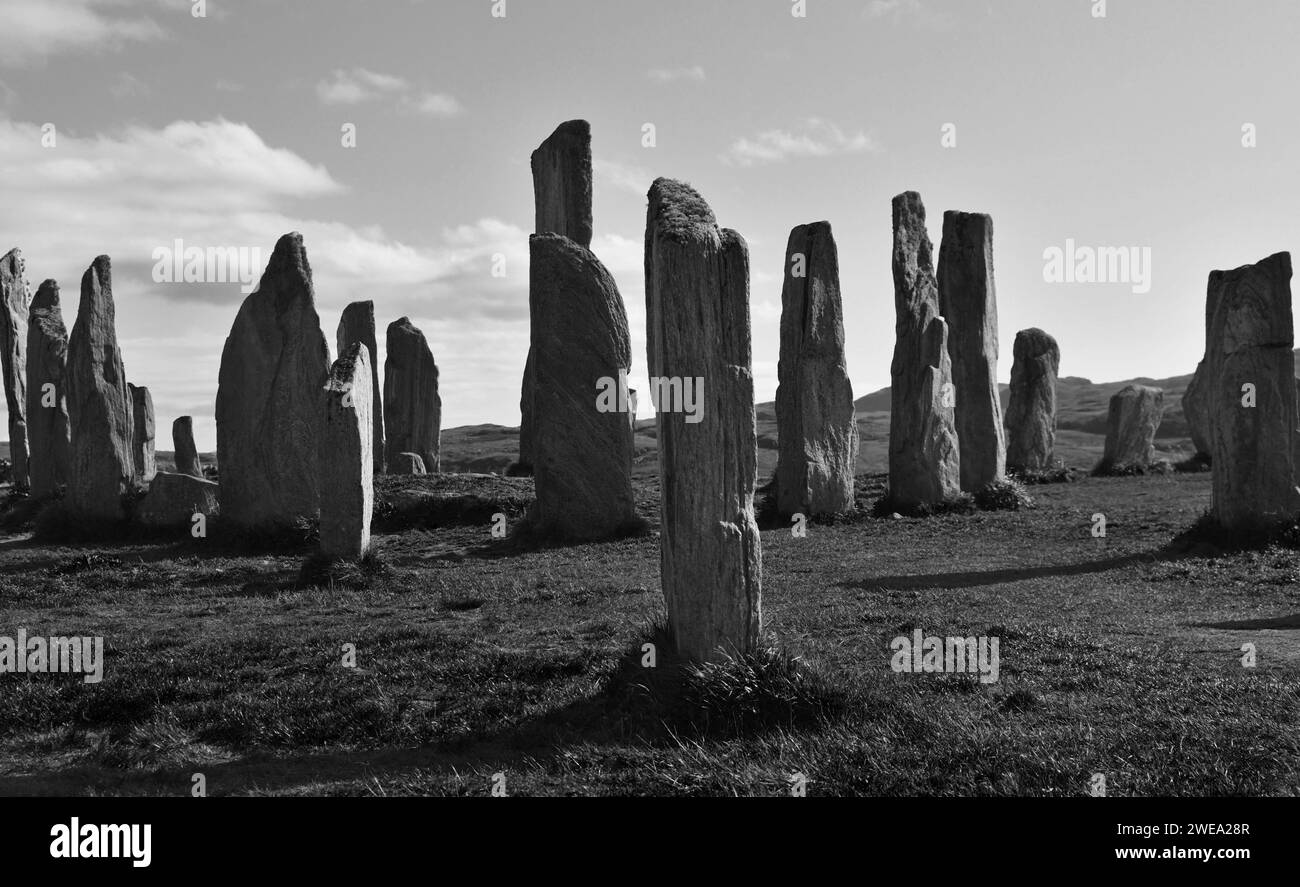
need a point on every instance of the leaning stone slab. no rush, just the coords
(406, 463)
(1135, 414)
(102, 467)
(817, 431)
(580, 344)
(412, 406)
(186, 453)
(697, 310)
(174, 499)
(1195, 412)
(1031, 412)
(14, 297)
(48, 427)
(924, 460)
(358, 325)
(347, 461)
(1251, 394)
(273, 371)
(969, 305)
(143, 436)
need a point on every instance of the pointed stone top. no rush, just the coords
(572, 129)
(47, 296)
(289, 265)
(99, 276)
(345, 371)
(677, 210)
(13, 257)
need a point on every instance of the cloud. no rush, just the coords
(814, 138)
(359, 85)
(913, 11)
(623, 176)
(34, 30)
(669, 75)
(127, 86)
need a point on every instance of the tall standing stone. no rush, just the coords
(358, 325)
(49, 433)
(969, 304)
(102, 467)
(1251, 394)
(347, 463)
(273, 371)
(581, 354)
(13, 358)
(412, 407)
(924, 460)
(817, 432)
(186, 453)
(697, 312)
(1031, 413)
(144, 434)
(562, 195)
(1135, 414)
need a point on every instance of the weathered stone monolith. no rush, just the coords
(562, 196)
(1135, 414)
(358, 325)
(1251, 394)
(817, 432)
(273, 371)
(969, 304)
(186, 453)
(581, 354)
(173, 501)
(14, 296)
(924, 460)
(49, 434)
(144, 434)
(697, 311)
(347, 462)
(412, 407)
(102, 467)
(1031, 413)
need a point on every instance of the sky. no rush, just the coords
(1164, 125)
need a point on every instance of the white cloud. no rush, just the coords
(913, 11)
(814, 138)
(358, 85)
(34, 30)
(669, 75)
(623, 176)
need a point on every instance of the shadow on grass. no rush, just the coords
(1279, 623)
(972, 579)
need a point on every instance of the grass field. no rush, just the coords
(477, 656)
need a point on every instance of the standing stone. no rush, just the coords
(412, 407)
(49, 431)
(817, 432)
(186, 453)
(358, 325)
(1195, 412)
(174, 499)
(13, 358)
(1031, 413)
(102, 467)
(1135, 414)
(406, 463)
(562, 195)
(347, 463)
(562, 183)
(697, 312)
(143, 437)
(581, 354)
(924, 461)
(631, 412)
(273, 369)
(969, 304)
(1249, 360)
